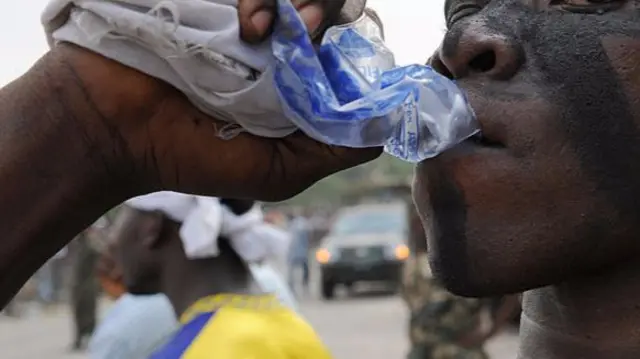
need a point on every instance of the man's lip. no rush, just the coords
(481, 139)
(493, 132)
(477, 144)
(473, 150)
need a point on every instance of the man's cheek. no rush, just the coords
(624, 55)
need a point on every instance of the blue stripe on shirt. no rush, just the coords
(183, 339)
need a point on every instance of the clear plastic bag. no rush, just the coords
(350, 93)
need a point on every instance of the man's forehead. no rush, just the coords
(451, 5)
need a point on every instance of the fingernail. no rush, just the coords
(262, 20)
(312, 15)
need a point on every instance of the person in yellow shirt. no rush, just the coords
(197, 251)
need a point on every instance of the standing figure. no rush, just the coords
(45, 283)
(85, 288)
(299, 251)
(48, 279)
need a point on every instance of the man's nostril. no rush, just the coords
(437, 64)
(483, 62)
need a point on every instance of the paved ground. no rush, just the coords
(364, 326)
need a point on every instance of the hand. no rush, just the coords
(158, 140)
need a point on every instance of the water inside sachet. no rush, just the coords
(349, 92)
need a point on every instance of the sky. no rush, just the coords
(413, 29)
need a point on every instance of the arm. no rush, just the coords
(54, 179)
(79, 134)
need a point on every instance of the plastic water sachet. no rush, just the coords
(349, 92)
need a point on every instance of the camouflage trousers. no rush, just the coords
(445, 351)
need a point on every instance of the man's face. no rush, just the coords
(552, 190)
(137, 232)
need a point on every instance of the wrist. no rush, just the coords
(94, 102)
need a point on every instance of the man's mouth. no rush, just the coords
(482, 140)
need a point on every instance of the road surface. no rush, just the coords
(368, 326)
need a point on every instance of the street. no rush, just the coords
(368, 326)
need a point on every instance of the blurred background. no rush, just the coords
(353, 294)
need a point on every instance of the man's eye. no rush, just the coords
(587, 6)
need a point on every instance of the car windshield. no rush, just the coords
(367, 222)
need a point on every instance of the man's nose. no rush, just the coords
(475, 50)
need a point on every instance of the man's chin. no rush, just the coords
(461, 281)
(455, 282)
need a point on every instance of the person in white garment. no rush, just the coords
(137, 325)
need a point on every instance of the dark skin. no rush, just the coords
(501, 315)
(80, 134)
(150, 252)
(547, 201)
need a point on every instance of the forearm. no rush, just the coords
(50, 184)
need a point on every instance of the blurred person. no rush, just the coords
(276, 217)
(58, 273)
(45, 283)
(198, 251)
(271, 281)
(265, 272)
(279, 265)
(441, 324)
(48, 279)
(109, 272)
(298, 255)
(85, 288)
(135, 325)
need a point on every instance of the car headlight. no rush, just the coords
(399, 252)
(324, 255)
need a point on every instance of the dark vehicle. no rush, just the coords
(365, 243)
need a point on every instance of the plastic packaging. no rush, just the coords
(350, 93)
